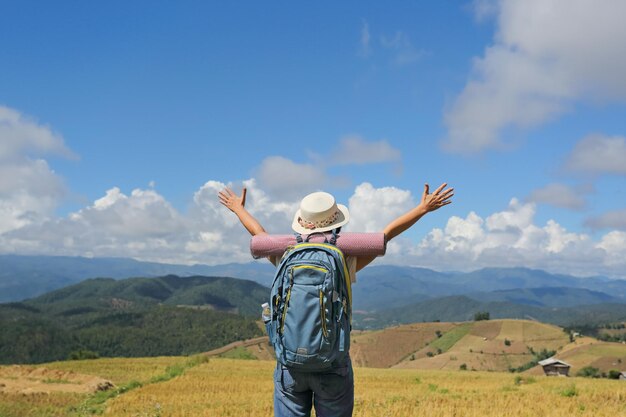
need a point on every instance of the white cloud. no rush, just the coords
(558, 195)
(614, 245)
(598, 154)
(518, 216)
(371, 209)
(22, 135)
(615, 219)
(547, 55)
(29, 189)
(354, 150)
(144, 225)
(511, 238)
(285, 178)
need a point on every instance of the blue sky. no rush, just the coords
(119, 122)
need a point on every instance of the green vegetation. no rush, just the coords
(238, 353)
(519, 380)
(614, 374)
(96, 403)
(537, 356)
(134, 317)
(593, 372)
(449, 339)
(612, 338)
(569, 391)
(82, 354)
(481, 315)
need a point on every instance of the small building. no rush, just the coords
(555, 367)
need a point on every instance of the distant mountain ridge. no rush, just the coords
(219, 293)
(463, 308)
(24, 276)
(379, 287)
(380, 291)
(548, 296)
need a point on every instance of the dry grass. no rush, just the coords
(120, 370)
(38, 405)
(222, 387)
(602, 355)
(385, 348)
(62, 404)
(495, 345)
(231, 387)
(225, 387)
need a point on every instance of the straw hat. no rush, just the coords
(319, 213)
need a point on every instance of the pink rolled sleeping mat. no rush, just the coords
(351, 244)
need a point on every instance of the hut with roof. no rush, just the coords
(555, 367)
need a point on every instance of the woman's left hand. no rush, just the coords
(438, 199)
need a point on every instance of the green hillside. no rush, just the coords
(132, 317)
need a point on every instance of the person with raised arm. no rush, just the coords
(331, 391)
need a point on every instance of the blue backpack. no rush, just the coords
(310, 306)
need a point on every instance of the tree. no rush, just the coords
(589, 372)
(614, 374)
(481, 315)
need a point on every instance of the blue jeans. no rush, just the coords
(330, 392)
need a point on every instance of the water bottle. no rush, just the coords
(266, 314)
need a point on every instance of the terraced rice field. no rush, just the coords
(226, 387)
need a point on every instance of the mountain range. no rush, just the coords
(23, 276)
(383, 294)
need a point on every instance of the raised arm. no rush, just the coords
(237, 204)
(429, 202)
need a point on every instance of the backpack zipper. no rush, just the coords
(317, 268)
(348, 279)
(323, 315)
(282, 324)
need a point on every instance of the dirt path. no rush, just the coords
(240, 343)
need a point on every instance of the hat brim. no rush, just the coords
(343, 218)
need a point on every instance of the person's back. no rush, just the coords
(329, 388)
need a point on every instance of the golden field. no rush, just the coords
(228, 387)
(394, 377)
(234, 387)
(51, 390)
